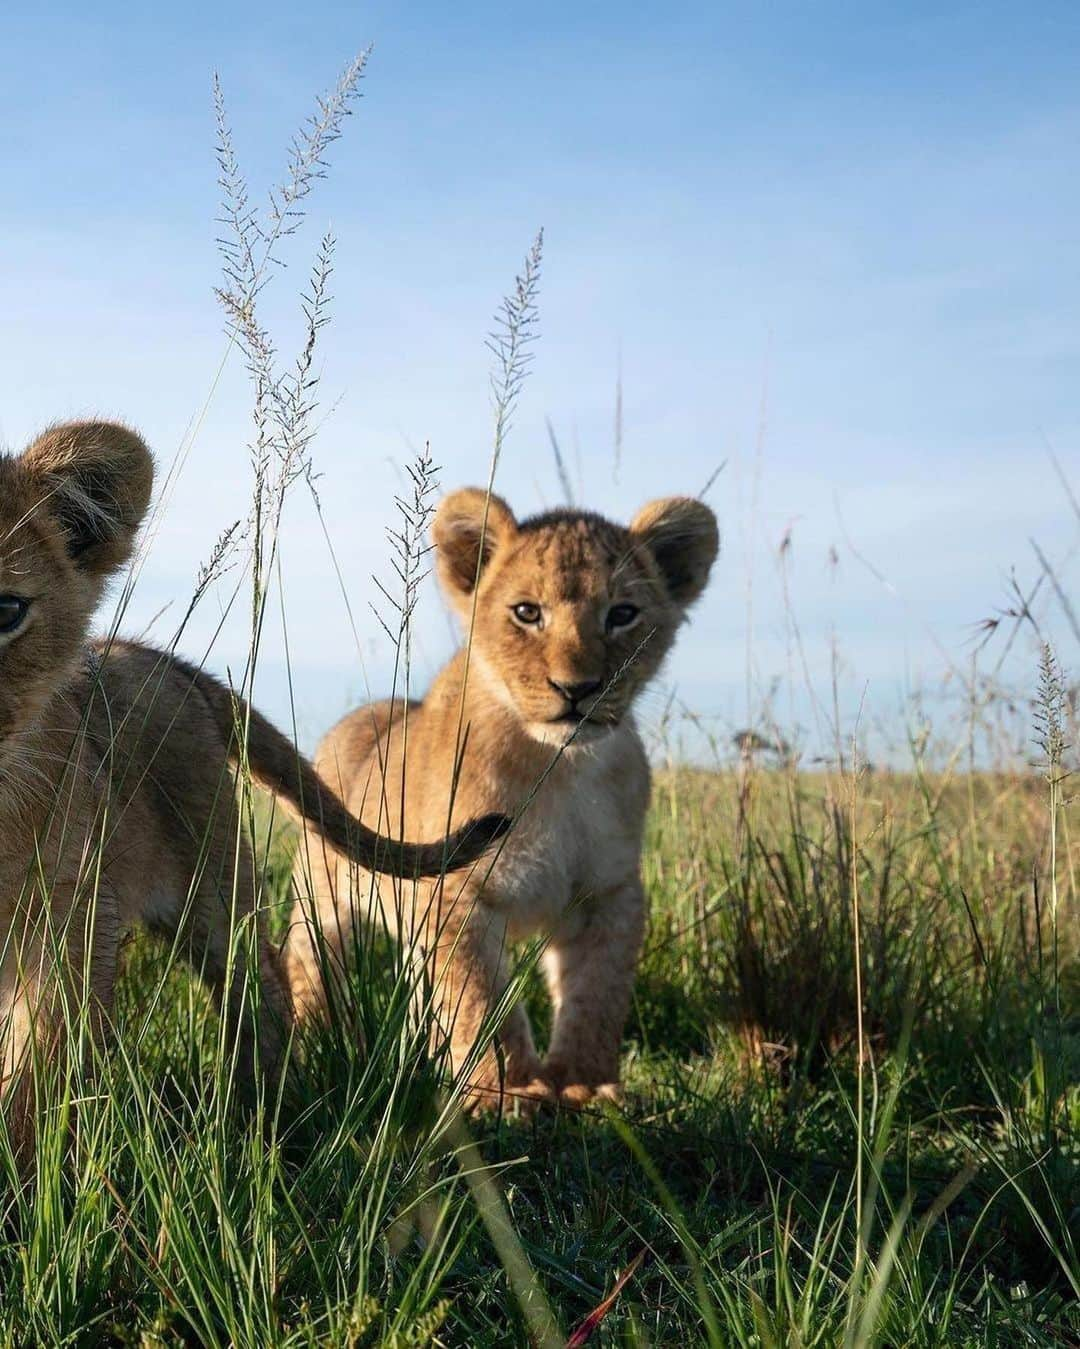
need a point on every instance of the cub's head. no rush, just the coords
(574, 614)
(70, 508)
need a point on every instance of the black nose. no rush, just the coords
(573, 693)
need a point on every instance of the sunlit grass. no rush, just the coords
(341, 1214)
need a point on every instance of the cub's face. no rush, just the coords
(573, 614)
(70, 507)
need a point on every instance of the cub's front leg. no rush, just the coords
(468, 965)
(57, 979)
(590, 965)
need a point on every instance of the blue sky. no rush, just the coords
(831, 245)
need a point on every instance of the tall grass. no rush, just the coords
(853, 1114)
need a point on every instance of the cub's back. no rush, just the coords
(350, 755)
(170, 779)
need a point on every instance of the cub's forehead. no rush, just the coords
(570, 556)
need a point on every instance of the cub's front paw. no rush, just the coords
(577, 1095)
(518, 1097)
(575, 1088)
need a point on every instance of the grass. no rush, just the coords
(342, 1214)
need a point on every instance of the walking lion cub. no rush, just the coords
(117, 802)
(570, 616)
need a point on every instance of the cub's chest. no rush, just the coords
(579, 834)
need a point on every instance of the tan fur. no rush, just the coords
(117, 801)
(570, 870)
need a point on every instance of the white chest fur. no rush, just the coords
(578, 835)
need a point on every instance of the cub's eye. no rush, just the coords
(12, 612)
(621, 616)
(526, 613)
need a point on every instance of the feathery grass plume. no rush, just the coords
(307, 155)
(509, 342)
(249, 245)
(283, 401)
(1050, 709)
(1050, 715)
(409, 545)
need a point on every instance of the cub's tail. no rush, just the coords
(277, 765)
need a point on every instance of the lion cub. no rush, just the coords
(571, 616)
(117, 800)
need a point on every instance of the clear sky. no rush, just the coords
(833, 245)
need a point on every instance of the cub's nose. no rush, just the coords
(574, 693)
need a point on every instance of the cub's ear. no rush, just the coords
(469, 526)
(97, 478)
(683, 537)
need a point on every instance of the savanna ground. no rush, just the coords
(758, 1202)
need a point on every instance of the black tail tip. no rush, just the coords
(473, 840)
(488, 828)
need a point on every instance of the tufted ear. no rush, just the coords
(469, 526)
(97, 478)
(683, 537)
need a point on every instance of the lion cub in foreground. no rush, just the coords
(573, 616)
(117, 801)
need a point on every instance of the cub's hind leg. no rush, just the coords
(222, 933)
(330, 894)
(321, 927)
(590, 966)
(246, 972)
